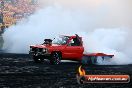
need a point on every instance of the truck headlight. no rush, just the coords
(30, 49)
(44, 50)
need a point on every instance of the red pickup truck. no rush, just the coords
(64, 48)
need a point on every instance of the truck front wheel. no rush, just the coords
(55, 58)
(37, 59)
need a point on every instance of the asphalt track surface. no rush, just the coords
(20, 71)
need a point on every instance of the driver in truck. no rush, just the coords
(76, 41)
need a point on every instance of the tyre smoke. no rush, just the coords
(100, 31)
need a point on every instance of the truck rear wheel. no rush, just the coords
(55, 58)
(90, 60)
(101, 59)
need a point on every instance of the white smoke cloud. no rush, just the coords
(54, 19)
(46, 23)
(109, 41)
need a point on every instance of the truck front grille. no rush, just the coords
(40, 49)
(37, 50)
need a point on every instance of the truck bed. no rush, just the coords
(97, 54)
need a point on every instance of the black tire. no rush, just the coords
(100, 59)
(88, 60)
(37, 59)
(55, 58)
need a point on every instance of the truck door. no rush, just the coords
(74, 49)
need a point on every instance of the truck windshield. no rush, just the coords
(62, 40)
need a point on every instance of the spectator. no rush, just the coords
(9, 8)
